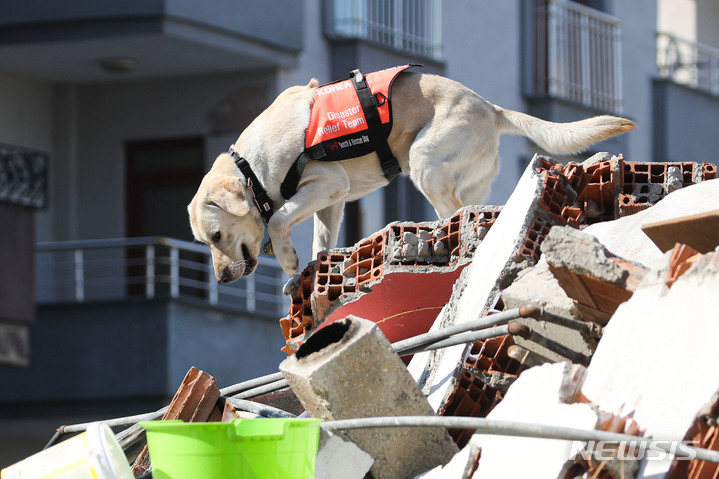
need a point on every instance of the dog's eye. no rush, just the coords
(216, 237)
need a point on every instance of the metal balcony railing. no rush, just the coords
(578, 55)
(151, 267)
(410, 26)
(688, 63)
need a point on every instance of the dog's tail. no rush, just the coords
(562, 138)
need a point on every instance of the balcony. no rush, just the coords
(68, 43)
(126, 269)
(685, 100)
(691, 64)
(576, 56)
(408, 26)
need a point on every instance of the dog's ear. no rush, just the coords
(227, 193)
(313, 83)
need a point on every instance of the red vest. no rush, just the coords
(337, 120)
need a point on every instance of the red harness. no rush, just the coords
(349, 119)
(337, 120)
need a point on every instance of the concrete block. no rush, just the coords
(348, 370)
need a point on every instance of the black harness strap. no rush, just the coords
(259, 195)
(377, 135)
(288, 188)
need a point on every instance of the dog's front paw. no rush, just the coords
(287, 257)
(292, 285)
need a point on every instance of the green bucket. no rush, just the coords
(242, 448)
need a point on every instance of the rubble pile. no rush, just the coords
(594, 291)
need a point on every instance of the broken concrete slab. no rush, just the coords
(536, 397)
(595, 279)
(462, 466)
(340, 457)
(656, 359)
(348, 370)
(624, 237)
(543, 198)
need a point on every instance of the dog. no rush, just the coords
(443, 135)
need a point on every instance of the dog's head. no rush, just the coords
(223, 217)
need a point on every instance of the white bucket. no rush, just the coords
(93, 454)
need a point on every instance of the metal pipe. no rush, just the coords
(251, 383)
(469, 337)
(258, 391)
(433, 336)
(517, 429)
(123, 421)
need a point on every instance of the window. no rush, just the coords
(410, 26)
(577, 55)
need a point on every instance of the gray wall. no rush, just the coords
(94, 124)
(685, 124)
(137, 350)
(271, 22)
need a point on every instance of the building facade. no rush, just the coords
(120, 108)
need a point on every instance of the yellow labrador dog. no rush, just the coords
(443, 135)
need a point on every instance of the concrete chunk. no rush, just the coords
(539, 287)
(597, 280)
(346, 370)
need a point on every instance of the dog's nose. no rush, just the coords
(225, 276)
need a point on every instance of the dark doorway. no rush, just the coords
(162, 176)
